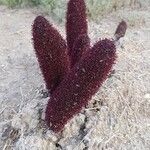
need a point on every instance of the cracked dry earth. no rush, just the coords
(118, 116)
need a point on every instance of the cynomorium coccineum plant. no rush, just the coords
(73, 72)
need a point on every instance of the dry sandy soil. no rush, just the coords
(117, 118)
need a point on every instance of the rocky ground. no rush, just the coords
(117, 118)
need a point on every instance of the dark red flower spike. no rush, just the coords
(74, 84)
(76, 25)
(121, 30)
(51, 51)
(80, 84)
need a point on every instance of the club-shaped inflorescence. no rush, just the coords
(76, 26)
(80, 84)
(51, 51)
(73, 71)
